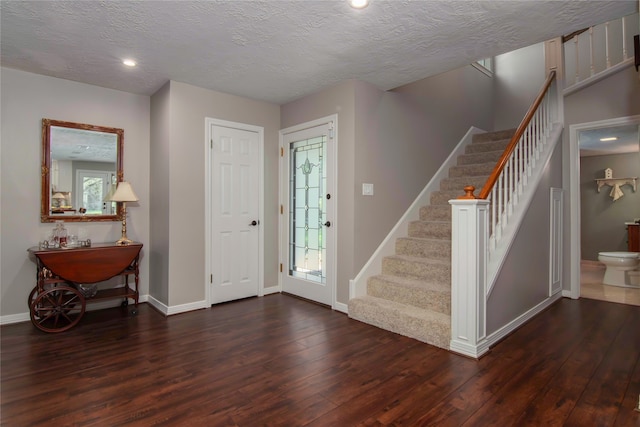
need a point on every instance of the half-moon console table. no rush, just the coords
(58, 301)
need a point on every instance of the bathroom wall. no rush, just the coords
(602, 219)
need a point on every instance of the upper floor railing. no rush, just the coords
(598, 49)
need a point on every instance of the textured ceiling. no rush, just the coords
(276, 50)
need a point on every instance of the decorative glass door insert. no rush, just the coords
(307, 215)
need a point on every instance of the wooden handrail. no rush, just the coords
(572, 35)
(484, 193)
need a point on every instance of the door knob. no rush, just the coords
(254, 223)
(328, 223)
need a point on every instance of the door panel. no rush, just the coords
(235, 205)
(308, 211)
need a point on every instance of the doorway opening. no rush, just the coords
(585, 137)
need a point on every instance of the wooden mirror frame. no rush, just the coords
(45, 198)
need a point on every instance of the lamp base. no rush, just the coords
(124, 241)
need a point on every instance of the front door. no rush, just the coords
(235, 221)
(308, 211)
(92, 187)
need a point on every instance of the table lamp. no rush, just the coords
(58, 197)
(123, 194)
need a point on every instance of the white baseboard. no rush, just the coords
(14, 318)
(342, 307)
(176, 309)
(566, 293)
(271, 290)
(25, 317)
(473, 351)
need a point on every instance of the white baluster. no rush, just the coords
(606, 44)
(520, 163)
(575, 44)
(509, 186)
(500, 207)
(494, 217)
(591, 67)
(624, 40)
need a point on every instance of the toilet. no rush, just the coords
(622, 268)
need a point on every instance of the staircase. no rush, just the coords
(412, 296)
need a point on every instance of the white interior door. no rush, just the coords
(235, 221)
(308, 211)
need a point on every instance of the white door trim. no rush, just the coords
(208, 249)
(332, 209)
(555, 240)
(574, 194)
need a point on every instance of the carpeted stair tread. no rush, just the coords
(423, 247)
(427, 326)
(459, 183)
(471, 170)
(417, 268)
(426, 294)
(493, 136)
(483, 147)
(481, 157)
(442, 197)
(435, 213)
(430, 229)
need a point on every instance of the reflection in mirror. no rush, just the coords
(81, 166)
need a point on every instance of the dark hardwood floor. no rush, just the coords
(280, 361)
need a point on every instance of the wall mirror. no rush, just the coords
(81, 167)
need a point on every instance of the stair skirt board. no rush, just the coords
(412, 296)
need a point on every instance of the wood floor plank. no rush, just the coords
(510, 365)
(281, 361)
(630, 407)
(559, 396)
(602, 397)
(533, 375)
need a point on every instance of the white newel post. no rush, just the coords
(469, 249)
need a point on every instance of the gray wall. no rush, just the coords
(27, 99)
(449, 103)
(160, 199)
(602, 219)
(181, 249)
(523, 281)
(518, 82)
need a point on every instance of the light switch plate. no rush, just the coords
(367, 189)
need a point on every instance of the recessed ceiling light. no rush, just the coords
(129, 62)
(609, 138)
(358, 4)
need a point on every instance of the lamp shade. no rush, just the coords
(58, 196)
(124, 193)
